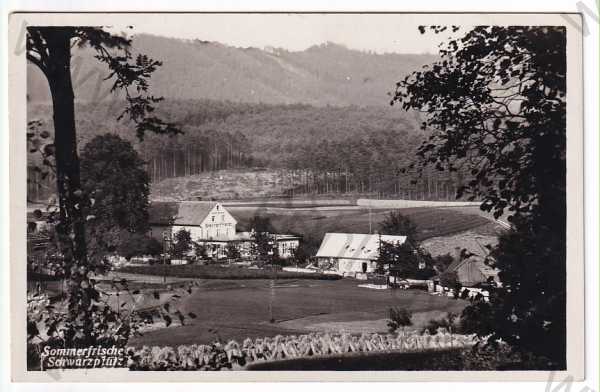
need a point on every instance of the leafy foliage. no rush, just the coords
(494, 104)
(301, 253)
(113, 175)
(200, 251)
(449, 279)
(182, 243)
(232, 251)
(263, 242)
(395, 223)
(116, 317)
(116, 185)
(441, 262)
(135, 244)
(398, 317)
(82, 321)
(448, 323)
(404, 260)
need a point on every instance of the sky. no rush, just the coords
(381, 33)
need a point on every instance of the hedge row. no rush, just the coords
(218, 272)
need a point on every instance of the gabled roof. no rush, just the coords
(456, 263)
(477, 270)
(355, 246)
(190, 213)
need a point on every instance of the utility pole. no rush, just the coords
(166, 243)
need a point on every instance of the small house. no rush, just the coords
(351, 254)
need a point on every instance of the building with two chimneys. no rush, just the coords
(209, 224)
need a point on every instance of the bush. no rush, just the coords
(133, 244)
(442, 262)
(449, 323)
(182, 244)
(399, 317)
(450, 359)
(217, 272)
(450, 281)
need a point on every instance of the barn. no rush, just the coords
(472, 271)
(351, 254)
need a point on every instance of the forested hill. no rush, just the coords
(270, 135)
(319, 149)
(327, 74)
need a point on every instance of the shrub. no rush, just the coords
(450, 280)
(182, 244)
(134, 244)
(197, 271)
(399, 317)
(486, 357)
(449, 359)
(449, 323)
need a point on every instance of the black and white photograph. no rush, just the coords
(299, 193)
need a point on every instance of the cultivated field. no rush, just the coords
(237, 309)
(313, 223)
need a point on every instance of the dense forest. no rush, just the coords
(319, 150)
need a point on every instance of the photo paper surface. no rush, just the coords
(296, 196)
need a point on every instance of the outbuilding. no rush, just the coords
(350, 254)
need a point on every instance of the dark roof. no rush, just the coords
(179, 213)
(476, 269)
(455, 265)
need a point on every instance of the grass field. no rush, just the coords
(236, 309)
(314, 223)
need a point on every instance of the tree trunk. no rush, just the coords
(65, 141)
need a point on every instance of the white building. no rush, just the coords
(350, 254)
(205, 220)
(209, 223)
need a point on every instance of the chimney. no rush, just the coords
(457, 251)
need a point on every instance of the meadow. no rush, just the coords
(239, 309)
